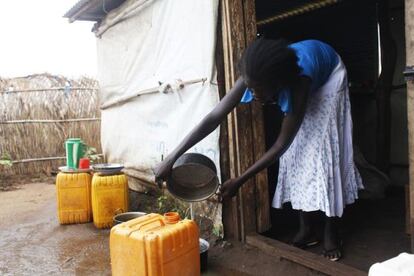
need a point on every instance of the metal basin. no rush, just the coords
(120, 218)
(193, 178)
(204, 246)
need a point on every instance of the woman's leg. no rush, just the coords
(332, 242)
(305, 237)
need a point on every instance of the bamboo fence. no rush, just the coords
(38, 113)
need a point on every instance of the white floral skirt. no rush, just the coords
(317, 172)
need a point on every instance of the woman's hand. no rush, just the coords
(229, 188)
(163, 170)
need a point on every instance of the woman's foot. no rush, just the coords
(332, 249)
(332, 244)
(305, 237)
(333, 254)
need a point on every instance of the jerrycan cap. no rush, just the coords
(171, 217)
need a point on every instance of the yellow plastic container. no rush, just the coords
(73, 192)
(109, 197)
(155, 245)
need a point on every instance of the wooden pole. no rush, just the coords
(409, 43)
(128, 98)
(229, 214)
(41, 159)
(384, 87)
(48, 121)
(230, 207)
(250, 209)
(259, 145)
(71, 89)
(30, 160)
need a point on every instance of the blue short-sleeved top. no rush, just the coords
(316, 59)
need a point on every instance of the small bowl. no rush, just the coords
(123, 217)
(204, 246)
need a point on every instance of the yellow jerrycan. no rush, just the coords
(155, 245)
(109, 197)
(73, 192)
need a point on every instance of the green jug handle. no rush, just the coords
(84, 148)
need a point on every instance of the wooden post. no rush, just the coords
(384, 87)
(229, 213)
(250, 209)
(409, 44)
(231, 218)
(259, 145)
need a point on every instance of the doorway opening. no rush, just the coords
(374, 228)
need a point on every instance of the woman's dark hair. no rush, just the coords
(270, 62)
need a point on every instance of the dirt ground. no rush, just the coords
(33, 243)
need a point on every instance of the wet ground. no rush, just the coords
(33, 243)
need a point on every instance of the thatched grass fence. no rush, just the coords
(38, 113)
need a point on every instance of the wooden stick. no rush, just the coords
(44, 159)
(143, 92)
(50, 89)
(384, 88)
(48, 121)
(409, 50)
(38, 159)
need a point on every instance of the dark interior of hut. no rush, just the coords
(369, 37)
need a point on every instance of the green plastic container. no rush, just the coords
(75, 150)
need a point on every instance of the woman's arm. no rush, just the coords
(289, 128)
(209, 123)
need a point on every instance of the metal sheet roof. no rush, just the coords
(91, 10)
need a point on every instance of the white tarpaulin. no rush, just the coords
(158, 42)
